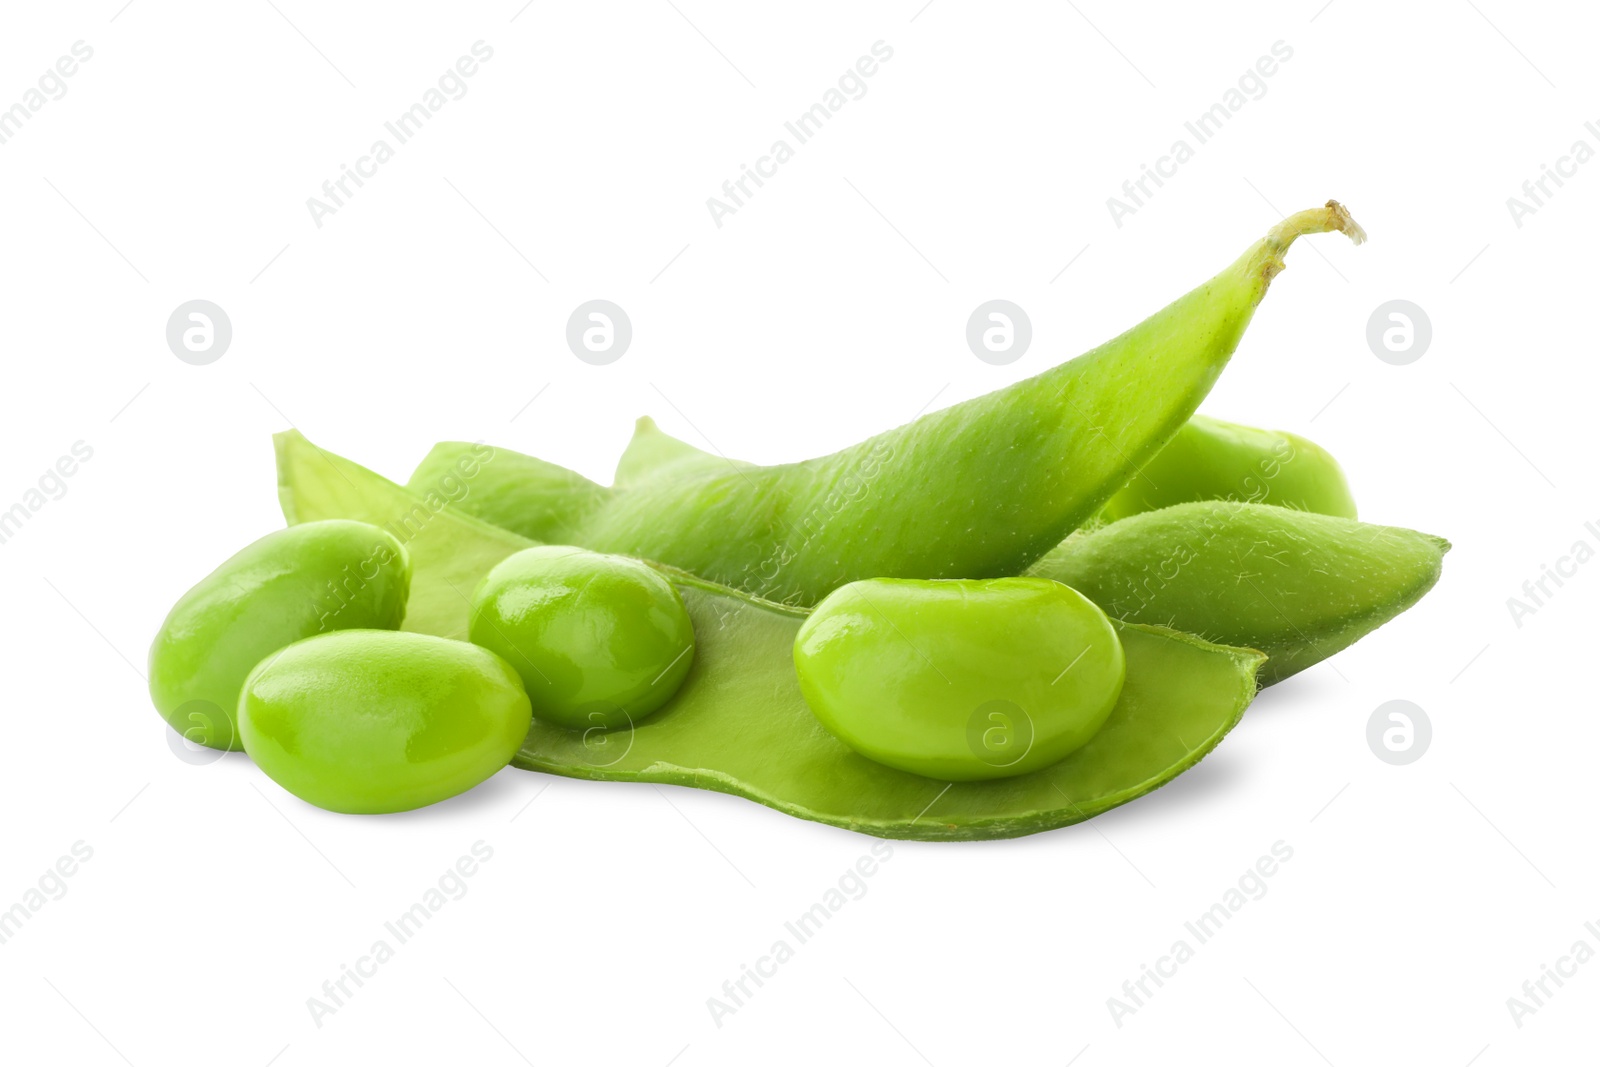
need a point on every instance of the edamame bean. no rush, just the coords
(600, 641)
(978, 490)
(370, 721)
(307, 579)
(960, 680)
(1297, 586)
(1214, 460)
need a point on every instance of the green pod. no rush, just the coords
(1214, 460)
(1297, 586)
(1208, 459)
(289, 585)
(539, 500)
(977, 490)
(372, 721)
(653, 455)
(961, 680)
(739, 723)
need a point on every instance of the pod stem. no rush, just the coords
(1332, 216)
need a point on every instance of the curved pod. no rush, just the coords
(1214, 460)
(1297, 586)
(980, 489)
(740, 725)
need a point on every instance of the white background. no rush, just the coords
(978, 164)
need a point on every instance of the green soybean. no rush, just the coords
(372, 721)
(1297, 586)
(739, 723)
(1210, 459)
(600, 641)
(980, 489)
(291, 584)
(961, 680)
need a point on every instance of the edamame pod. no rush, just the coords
(740, 725)
(539, 500)
(291, 584)
(1210, 459)
(653, 455)
(1297, 586)
(373, 721)
(980, 489)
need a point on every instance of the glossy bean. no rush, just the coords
(960, 680)
(371, 721)
(291, 584)
(600, 641)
